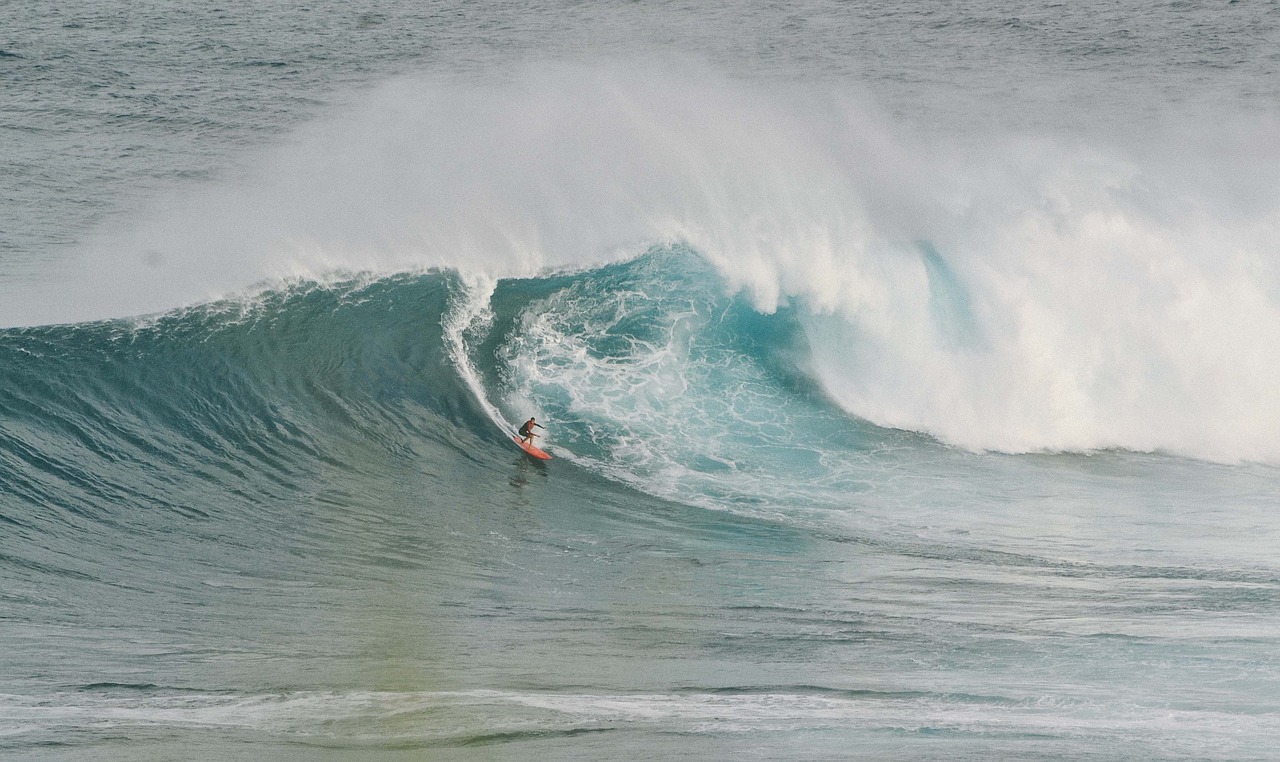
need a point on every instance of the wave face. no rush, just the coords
(262, 392)
(652, 373)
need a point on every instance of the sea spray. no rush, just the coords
(1070, 297)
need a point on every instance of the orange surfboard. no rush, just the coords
(535, 452)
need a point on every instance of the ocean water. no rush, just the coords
(909, 370)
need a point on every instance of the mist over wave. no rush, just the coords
(1006, 292)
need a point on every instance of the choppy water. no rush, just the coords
(908, 368)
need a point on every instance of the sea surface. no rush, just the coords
(909, 370)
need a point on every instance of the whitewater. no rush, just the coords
(909, 373)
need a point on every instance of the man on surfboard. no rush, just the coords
(526, 431)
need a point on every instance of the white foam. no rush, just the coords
(1117, 308)
(442, 716)
(470, 311)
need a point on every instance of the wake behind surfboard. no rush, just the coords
(530, 449)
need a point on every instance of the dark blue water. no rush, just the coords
(908, 372)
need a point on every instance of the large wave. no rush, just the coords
(315, 408)
(1000, 293)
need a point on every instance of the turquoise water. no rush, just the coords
(907, 370)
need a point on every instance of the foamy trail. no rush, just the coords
(470, 310)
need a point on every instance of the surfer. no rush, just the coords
(526, 431)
